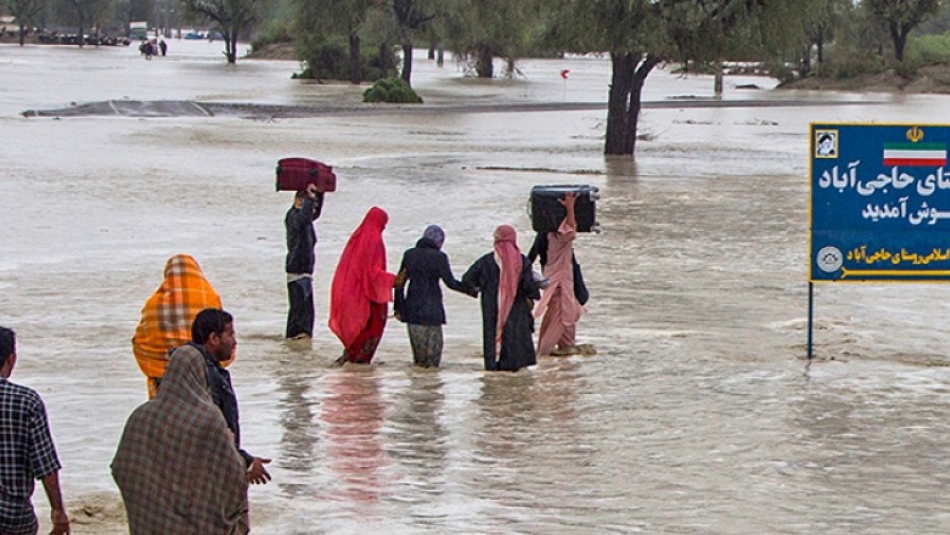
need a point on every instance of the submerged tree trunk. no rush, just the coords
(82, 39)
(628, 74)
(621, 83)
(484, 61)
(230, 46)
(806, 64)
(384, 58)
(900, 42)
(511, 68)
(356, 60)
(432, 45)
(717, 82)
(22, 33)
(407, 61)
(440, 56)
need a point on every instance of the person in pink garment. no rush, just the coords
(558, 305)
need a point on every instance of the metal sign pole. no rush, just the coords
(811, 315)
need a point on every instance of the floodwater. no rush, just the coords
(698, 415)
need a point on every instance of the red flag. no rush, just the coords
(564, 73)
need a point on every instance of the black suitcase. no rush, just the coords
(547, 213)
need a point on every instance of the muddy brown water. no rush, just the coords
(698, 415)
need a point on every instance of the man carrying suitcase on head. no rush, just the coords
(301, 241)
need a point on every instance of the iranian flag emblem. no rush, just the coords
(915, 154)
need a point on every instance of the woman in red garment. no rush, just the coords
(361, 290)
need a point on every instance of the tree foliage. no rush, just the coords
(640, 34)
(412, 18)
(319, 20)
(485, 29)
(234, 18)
(25, 12)
(900, 17)
(84, 14)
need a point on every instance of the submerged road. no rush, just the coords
(185, 108)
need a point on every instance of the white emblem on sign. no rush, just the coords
(830, 259)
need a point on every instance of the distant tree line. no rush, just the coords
(356, 40)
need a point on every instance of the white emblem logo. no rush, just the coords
(830, 259)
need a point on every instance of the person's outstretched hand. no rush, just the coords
(256, 473)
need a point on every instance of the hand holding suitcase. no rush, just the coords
(547, 213)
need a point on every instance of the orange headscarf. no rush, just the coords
(360, 278)
(168, 314)
(509, 261)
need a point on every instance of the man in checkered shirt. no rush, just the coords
(26, 452)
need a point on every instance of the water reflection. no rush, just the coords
(299, 440)
(353, 413)
(507, 414)
(419, 441)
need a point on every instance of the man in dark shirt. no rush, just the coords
(301, 240)
(212, 335)
(27, 452)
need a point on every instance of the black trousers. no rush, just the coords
(300, 315)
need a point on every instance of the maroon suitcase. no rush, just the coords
(295, 174)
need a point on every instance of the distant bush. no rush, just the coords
(275, 31)
(781, 71)
(391, 89)
(851, 66)
(329, 59)
(929, 49)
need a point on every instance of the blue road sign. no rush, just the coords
(880, 203)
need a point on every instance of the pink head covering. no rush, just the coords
(509, 262)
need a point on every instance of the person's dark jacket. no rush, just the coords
(301, 237)
(424, 265)
(222, 393)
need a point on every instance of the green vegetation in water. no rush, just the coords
(391, 89)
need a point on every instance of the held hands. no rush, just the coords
(256, 473)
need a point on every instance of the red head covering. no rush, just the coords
(360, 278)
(509, 262)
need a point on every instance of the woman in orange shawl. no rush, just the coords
(167, 316)
(361, 290)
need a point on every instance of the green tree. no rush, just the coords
(824, 28)
(640, 34)
(85, 14)
(486, 29)
(900, 17)
(234, 18)
(319, 18)
(25, 12)
(411, 18)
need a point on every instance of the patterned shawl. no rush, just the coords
(176, 463)
(168, 313)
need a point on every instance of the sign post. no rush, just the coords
(880, 205)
